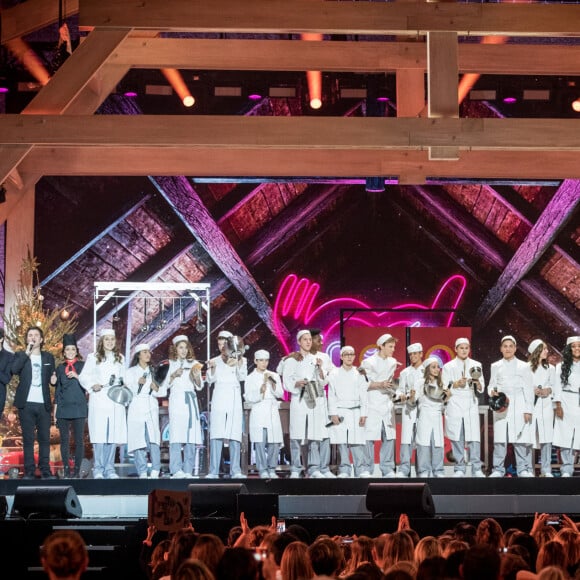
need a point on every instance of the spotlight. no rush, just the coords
(315, 103)
(375, 184)
(188, 101)
(576, 105)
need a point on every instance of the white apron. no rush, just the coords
(567, 430)
(265, 412)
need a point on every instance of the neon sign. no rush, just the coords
(296, 301)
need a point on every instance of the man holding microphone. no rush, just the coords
(36, 369)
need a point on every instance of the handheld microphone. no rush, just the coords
(140, 385)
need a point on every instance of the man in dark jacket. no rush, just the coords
(6, 358)
(35, 368)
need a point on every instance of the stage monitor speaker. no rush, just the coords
(216, 500)
(46, 502)
(258, 507)
(389, 500)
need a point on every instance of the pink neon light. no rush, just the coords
(296, 297)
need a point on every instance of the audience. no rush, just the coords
(63, 555)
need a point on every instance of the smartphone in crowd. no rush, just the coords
(280, 526)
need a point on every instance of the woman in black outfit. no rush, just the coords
(70, 408)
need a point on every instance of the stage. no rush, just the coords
(114, 512)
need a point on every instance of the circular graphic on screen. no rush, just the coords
(442, 352)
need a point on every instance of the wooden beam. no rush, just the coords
(408, 166)
(32, 15)
(303, 16)
(336, 56)
(558, 211)
(179, 192)
(313, 133)
(442, 77)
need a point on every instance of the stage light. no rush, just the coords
(4, 90)
(576, 105)
(176, 81)
(130, 94)
(315, 103)
(375, 184)
(510, 100)
(254, 97)
(314, 77)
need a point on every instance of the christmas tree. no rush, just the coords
(29, 311)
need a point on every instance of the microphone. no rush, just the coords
(141, 385)
(29, 347)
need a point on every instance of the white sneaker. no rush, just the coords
(495, 474)
(526, 474)
(273, 474)
(98, 476)
(440, 475)
(154, 474)
(143, 475)
(343, 475)
(390, 474)
(264, 475)
(112, 476)
(478, 473)
(547, 474)
(365, 475)
(566, 475)
(239, 475)
(178, 475)
(329, 475)
(212, 476)
(424, 474)
(401, 475)
(316, 475)
(458, 474)
(295, 475)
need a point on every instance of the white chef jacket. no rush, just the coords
(567, 429)
(265, 412)
(407, 379)
(543, 418)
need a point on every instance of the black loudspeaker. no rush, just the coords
(389, 500)
(216, 500)
(258, 507)
(46, 502)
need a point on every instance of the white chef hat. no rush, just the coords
(346, 348)
(534, 345)
(262, 355)
(301, 333)
(430, 360)
(508, 337)
(383, 338)
(107, 332)
(572, 339)
(142, 346)
(179, 338)
(461, 341)
(225, 334)
(415, 347)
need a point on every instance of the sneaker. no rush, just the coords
(143, 475)
(390, 474)
(424, 474)
(343, 475)
(295, 475)
(440, 474)
(178, 475)
(365, 475)
(154, 474)
(478, 473)
(526, 474)
(98, 476)
(566, 475)
(239, 475)
(458, 474)
(212, 476)
(495, 474)
(329, 475)
(401, 475)
(112, 476)
(273, 474)
(264, 475)
(547, 474)
(316, 475)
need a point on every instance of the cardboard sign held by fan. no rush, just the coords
(169, 510)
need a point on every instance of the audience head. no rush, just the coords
(489, 533)
(552, 553)
(326, 557)
(237, 564)
(528, 542)
(192, 569)
(398, 546)
(432, 568)
(64, 555)
(428, 547)
(208, 549)
(481, 562)
(296, 564)
(511, 564)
